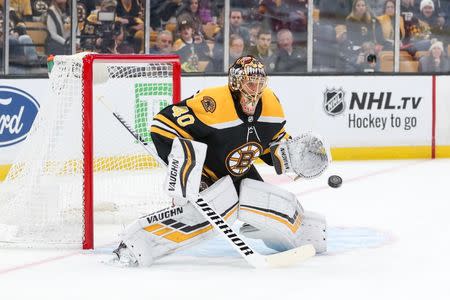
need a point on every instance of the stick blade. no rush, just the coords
(291, 257)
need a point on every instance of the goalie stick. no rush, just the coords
(254, 258)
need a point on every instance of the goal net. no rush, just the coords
(80, 166)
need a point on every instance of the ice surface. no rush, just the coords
(389, 238)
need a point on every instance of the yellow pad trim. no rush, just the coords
(179, 237)
(153, 227)
(293, 227)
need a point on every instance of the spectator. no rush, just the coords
(262, 50)
(249, 9)
(237, 46)
(190, 9)
(436, 61)
(58, 26)
(387, 22)
(20, 10)
(409, 11)
(236, 50)
(427, 12)
(297, 19)
(205, 12)
(362, 26)
(98, 35)
(164, 43)
(443, 10)
(289, 59)
(435, 21)
(21, 48)
(377, 7)
(162, 11)
(193, 51)
(39, 8)
(332, 15)
(366, 60)
(128, 14)
(117, 45)
(423, 27)
(410, 8)
(236, 20)
(253, 33)
(274, 14)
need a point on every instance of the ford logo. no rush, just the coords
(18, 109)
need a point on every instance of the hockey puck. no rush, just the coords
(334, 181)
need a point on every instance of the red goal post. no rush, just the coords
(88, 79)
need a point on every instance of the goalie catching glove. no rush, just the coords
(184, 170)
(305, 155)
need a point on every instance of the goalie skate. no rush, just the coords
(123, 258)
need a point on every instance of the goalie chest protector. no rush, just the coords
(213, 116)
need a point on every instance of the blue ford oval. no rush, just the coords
(18, 109)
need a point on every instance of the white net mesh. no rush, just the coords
(41, 200)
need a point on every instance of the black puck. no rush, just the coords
(334, 181)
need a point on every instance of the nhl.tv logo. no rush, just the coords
(334, 101)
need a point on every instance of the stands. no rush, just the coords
(332, 46)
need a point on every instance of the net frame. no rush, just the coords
(87, 124)
(47, 199)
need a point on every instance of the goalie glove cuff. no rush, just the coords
(280, 157)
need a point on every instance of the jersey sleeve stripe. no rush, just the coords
(271, 119)
(163, 132)
(173, 126)
(161, 125)
(229, 124)
(282, 130)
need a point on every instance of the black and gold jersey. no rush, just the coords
(213, 116)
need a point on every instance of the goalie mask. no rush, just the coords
(247, 76)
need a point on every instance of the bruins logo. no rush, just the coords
(209, 104)
(240, 160)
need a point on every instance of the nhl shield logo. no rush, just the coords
(209, 104)
(334, 103)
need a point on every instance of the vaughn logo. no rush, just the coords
(285, 158)
(334, 103)
(173, 174)
(164, 215)
(18, 110)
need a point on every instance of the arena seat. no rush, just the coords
(387, 60)
(409, 66)
(419, 54)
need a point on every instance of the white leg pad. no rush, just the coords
(163, 232)
(278, 218)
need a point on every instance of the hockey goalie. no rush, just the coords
(210, 142)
